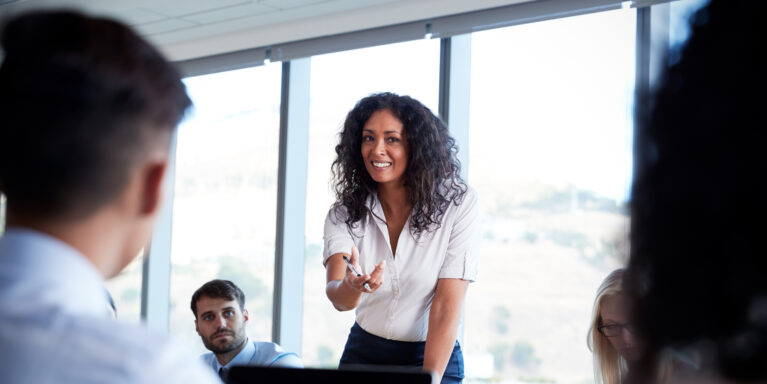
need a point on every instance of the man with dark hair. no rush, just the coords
(220, 316)
(88, 110)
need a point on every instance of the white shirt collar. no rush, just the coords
(47, 272)
(242, 358)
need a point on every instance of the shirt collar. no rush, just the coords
(374, 208)
(55, 274)
(242, 358)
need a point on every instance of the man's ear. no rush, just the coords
(197, 328)
(153, 176)
(245, 315)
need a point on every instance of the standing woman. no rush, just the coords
(407, 221)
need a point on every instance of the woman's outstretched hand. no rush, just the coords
(374, 280)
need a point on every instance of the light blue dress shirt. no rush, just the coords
(261, 353)
(55, 325)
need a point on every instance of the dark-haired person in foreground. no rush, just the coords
(698, 265)
(402, 203)
(219, 318)
(87, 113)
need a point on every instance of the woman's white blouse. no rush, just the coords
(399, 309)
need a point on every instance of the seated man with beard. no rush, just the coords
(220, 317)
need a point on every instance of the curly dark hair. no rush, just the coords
(432, 176)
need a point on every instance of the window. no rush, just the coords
(225, 194)
(338, 81)
(125, 289)
(550, 157)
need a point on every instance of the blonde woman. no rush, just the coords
(611, 337)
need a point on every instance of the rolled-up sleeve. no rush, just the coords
(462, 257)
(337, 237)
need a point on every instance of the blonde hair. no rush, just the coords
(609, 366)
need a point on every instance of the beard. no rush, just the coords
(220, 346)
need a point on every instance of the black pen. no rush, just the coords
(351, 267)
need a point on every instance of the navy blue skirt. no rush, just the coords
(363, 348)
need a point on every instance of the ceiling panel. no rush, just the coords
(287, 4)
(230, 13)
(180, 8)
(134, 16)
(164, 26)
(192, 28)
(263, 22)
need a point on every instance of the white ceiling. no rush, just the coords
(185, 29)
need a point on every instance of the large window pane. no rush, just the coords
(338, 81)
(225, 194)
(125, 289)
(550, 156)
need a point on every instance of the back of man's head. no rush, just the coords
(82, 101)
(698, 262)
(218, 289)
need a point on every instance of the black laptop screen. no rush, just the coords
(361, 375)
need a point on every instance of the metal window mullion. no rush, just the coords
(641, 86)
(455, 92)
(444, 80)
(155, 279)
(454, 96)
(287, 313)
(652, 43)
(458, 101)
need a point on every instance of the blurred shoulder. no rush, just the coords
(469, 201)
(88, 349)
(271, 354)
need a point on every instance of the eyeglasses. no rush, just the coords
(613, 330)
